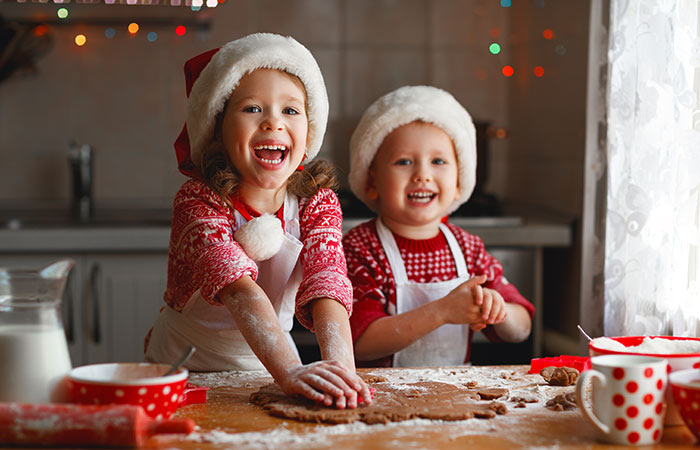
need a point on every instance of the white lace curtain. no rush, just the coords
(652, 228)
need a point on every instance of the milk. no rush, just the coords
(34, 362)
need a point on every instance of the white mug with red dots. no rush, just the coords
(623, 397)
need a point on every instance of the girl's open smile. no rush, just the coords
(271, 154)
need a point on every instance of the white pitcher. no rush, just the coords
(34, 358)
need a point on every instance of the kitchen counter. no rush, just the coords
(227, 420)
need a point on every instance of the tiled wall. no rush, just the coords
(125, 96)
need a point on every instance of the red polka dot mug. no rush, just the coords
(623, 396)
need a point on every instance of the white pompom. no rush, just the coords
(261, 238)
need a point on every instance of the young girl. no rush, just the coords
(421, 286)
(256, 237)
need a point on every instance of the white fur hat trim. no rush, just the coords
(403, 106)
(222, 74)
(261, 238)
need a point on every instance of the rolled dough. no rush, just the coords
(392, 403)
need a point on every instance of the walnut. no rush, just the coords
(560, 376)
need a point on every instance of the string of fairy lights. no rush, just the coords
(132, 28)
(495, 48)
(180, 30)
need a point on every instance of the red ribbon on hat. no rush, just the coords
(193, 67)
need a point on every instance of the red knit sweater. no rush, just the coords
(203, 254)
(429, 260)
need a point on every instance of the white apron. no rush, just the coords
(446, 345)
(212, 329)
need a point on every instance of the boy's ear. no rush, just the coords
(371, 189)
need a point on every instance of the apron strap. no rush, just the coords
(457, 253)
(392, 252)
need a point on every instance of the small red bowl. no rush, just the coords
(140, 384)
(685, 385)
(676, 362)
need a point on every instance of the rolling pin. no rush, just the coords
(82, 425)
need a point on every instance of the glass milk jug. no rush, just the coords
(34, 359)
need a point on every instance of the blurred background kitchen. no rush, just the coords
(105, 82)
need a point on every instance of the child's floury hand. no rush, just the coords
(493, 307)
(472, 304)
(464, 304)
(326, 382)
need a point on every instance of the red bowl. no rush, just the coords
(685, 385)
(676, 362)
(138, 384)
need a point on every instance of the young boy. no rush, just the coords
(421, 287)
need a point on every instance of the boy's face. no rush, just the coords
(414, 179)
(264, 128)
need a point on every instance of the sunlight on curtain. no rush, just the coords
(652, 261)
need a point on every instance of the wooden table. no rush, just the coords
(227, 420)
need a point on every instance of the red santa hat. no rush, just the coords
(212, 76)
(401, 107)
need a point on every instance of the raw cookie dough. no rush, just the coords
(560, 376)
(562, 402)
(392, 403)
(491, 393)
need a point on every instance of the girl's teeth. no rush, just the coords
(270, 147)
(271, 161)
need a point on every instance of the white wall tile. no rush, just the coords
(371, 73)
(308, 21)
(386, 21)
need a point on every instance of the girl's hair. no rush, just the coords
(221, 176)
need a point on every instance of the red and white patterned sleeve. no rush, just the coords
(368, 276)
(203, 254)
(324, 272)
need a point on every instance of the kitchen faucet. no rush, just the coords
(80, 160)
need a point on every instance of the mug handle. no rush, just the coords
(584, 381)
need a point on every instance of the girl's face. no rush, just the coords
(414, 179)
(264, 128)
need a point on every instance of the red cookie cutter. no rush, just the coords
(193, 394)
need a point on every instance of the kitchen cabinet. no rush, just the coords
(110, 301)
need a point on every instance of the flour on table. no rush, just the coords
(519, 383)
(650, 345)
(282, 437)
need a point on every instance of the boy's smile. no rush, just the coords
(264, 129)
(414, 179)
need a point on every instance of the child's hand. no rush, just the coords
(464, 304)
(326, 382)
(493, 307)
